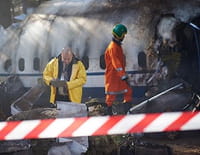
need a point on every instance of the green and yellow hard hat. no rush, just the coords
(119, 30)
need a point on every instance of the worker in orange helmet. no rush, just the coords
(116, 79)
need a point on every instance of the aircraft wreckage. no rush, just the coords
(162, 50)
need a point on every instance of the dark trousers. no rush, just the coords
(62, 98)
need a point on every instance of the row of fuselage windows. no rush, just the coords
(37, 66)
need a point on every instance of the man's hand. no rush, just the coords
(58, 83)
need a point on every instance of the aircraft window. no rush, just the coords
(36, 64)
(21, 64)
(102, 62)
(142, 60)
(7, 65)
(85, 61)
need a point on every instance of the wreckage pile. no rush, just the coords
(33, 104)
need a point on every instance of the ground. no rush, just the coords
(186, 143)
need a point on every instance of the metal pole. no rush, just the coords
(156, 96)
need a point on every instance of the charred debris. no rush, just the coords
(172, 85)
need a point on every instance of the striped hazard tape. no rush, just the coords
(100, 125)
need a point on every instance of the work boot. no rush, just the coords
(127, 106)
(118, 109)
(109, 110)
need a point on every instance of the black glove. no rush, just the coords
(126, 79)
(128, 82)
(58, 83)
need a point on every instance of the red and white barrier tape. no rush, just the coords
(100, 125)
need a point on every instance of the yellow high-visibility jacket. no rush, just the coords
(77, 80)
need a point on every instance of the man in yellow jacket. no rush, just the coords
(66, 75)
